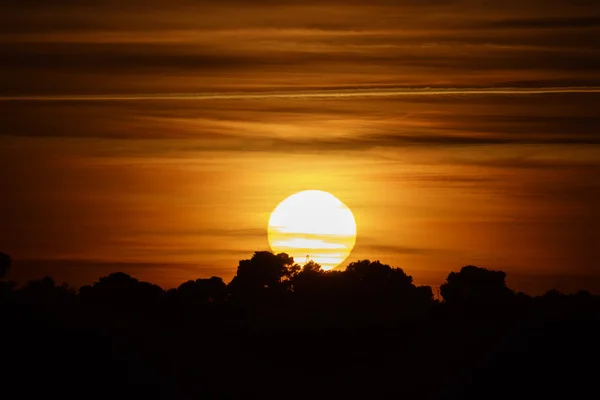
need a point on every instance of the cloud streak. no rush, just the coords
(344, 93)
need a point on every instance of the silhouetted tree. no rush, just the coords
(310, 271)
(374, 273)
(372, 279)
(557, 305)
(5, 264)
(201, 291)
(46, 294)
(476, 288)
(312, 284)
(264, 275)
(122, 291)
(312, 267)
(375, 288)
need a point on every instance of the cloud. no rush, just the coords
(248, 232)
(547, 23)
(231, 56)
(534, 163)
(343, 93)
(130, 47)
(374, 250)
(288, 122)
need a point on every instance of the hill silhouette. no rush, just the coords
(280, 330)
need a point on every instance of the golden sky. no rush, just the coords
(187, 122)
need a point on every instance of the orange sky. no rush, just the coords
(170, 190)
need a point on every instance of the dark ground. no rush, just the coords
(413, 359)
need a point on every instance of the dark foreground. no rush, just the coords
(146, 358)
(277, 331)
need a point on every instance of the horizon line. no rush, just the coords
(324, 93)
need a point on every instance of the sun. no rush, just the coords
(313, 223)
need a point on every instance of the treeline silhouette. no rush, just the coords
(281, 330)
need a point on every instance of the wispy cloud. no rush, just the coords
(131, 47)
(359, 93)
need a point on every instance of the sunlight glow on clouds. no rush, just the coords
(457, 131)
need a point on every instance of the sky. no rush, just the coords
(155, 138)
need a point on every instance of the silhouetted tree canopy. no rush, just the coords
(276, 319)
(307, 278)
(312, 267)
(201, 291)
(44, 292)
(312, 286)
(373, 277)
(474, 286)
(274, 280)
(121, 290)
(364, 284)
(265, 274)
(5, 264)
(377, 283)
(368, 325)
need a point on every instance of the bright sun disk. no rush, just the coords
(313, 223)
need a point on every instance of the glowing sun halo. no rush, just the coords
(313, 223)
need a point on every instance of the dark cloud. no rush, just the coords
(375, 250)
(190, 46)
(254, 125)
(548, 23)
(532, 163)
(238, 233)
(443, 179)
(177, 58)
